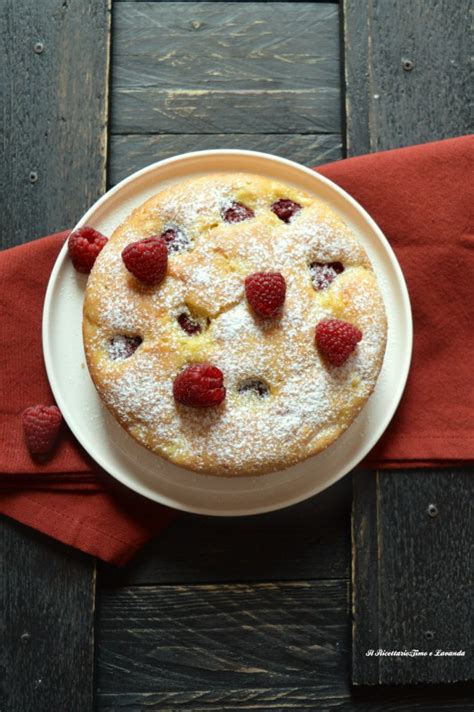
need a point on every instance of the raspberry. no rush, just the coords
(176, 240)
(188, 324)
(285, 209)
(84, 245)
(324, 273)
(199, 386)
(147, 259)
(236, 212)
(337, 339)
(121, 347)
(265, 292)
(41, 424)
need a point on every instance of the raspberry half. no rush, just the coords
(336, 340)
(199, 386)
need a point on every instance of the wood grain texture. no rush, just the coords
(282, 700)
(414, 575)
(54, 96)
(54, 100)
(47, 617)
(217, 646)
(406, 77)
(225, 68)
(129, 153)
(406, 71)
(308, 541)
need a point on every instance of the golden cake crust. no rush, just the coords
(310, 403)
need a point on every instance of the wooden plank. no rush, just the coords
(221, 646)
(308, 541)
(225, 67)
(406, 75)
(55, 63)
(282, 700)
(413, 575)
(365, 578)
(275, 646)
(129, 153)
(55, 60)
(47, 614)
(407, 72)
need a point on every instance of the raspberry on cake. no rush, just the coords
(199, 386)
(337, 340)
(265, 292)
(147, 259)
(252, 333)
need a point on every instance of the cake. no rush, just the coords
(282, 396)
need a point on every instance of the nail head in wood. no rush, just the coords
(432, 510)
(407, 65)
(38, 47)
(33, 177)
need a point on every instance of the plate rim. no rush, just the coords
(375, 434)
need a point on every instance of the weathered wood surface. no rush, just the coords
(54, 96)
(47, 623)
(406, 75)
(308, 541)
(218, 646)
(407, 72)
(128, 153)
(274, 646)
(55, 63)
(225, 67)
(414, 575)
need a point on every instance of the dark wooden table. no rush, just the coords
(254, 613)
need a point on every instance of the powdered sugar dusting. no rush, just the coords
(307, 399)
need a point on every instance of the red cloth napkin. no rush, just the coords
(420, 198)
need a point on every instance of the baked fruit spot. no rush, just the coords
(121, 347)
(285, 209)
(199, 386)
(236, 212)
(265, 292)
(255, 387)
(190, 324)
(323, 274)
(337, 339)
(176, 239)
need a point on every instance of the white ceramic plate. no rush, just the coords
(153, 476)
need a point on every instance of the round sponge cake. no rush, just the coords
(284, 401)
